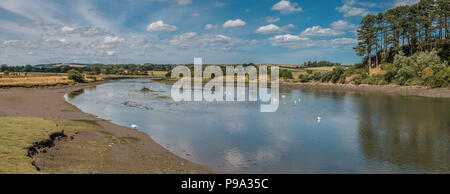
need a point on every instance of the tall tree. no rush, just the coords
(367, 38)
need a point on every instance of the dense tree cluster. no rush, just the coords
(320, 64)
(93, 69)
(416, 28)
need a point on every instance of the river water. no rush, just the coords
(357, 133)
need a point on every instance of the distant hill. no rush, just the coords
(78, 65)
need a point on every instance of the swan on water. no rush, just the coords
(134, 126)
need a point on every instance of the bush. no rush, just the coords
(375, 80)
(75, 76)
(286, 74)
(168, 74)
(441, 78)
(358, 80)
(416, 69)
(387, 67)
(389, 76)
(336, 74)
(304, 78)
(317, 76)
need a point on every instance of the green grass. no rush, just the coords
(17, 134)
(297, 72)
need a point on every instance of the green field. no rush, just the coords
(296, 72)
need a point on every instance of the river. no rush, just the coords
(357, 133)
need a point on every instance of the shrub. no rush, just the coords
(387, 67)
(441, 78)
(357, 80)
(317, 76)
(168, 74)
(326, 77)
(376, 80)
(304, 78)
(389, 76)
(417, 68)
(75, 76)
(286, 74)
(336, 74)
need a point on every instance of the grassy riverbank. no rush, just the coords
(18, 133)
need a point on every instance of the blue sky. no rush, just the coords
(176, 31)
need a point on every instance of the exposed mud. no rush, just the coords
(45, 145)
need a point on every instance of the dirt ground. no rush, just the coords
(113, 149)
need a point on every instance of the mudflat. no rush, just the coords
(106, 148)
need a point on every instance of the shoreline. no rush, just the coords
(133, 151)
(417, 91)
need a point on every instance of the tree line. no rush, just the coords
(409, 29)
(116, 69)
(322, 63)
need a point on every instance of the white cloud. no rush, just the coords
(318, 31)
(112, 40)
(184, 2)
(271, 19)
(288, 41)
(234, 24)
(215, 42)
(108, 42)
(160, 26)
(405, 2)
(296, 42)
(343, 25)
(82, 31)
(343, 41)
(91, 32)
(110, 53)
(67, 29)
(219, 4)
(289, 26)
(55, 43)
(349, 9)
(23, 44)
(269, 29)
(286, 7)
(183, 40)
(210, 27)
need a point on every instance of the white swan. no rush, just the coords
(134, 126)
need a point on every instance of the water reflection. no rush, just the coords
(412, 132)
(357, 133)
